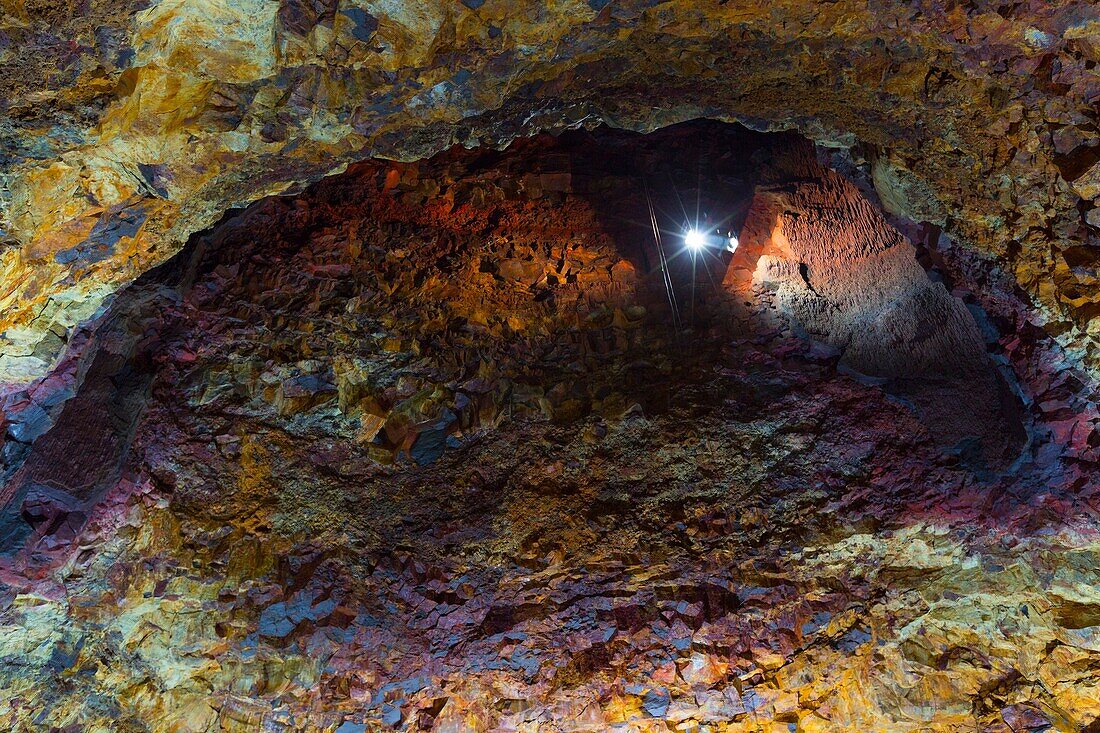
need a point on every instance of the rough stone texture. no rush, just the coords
(420, 450)
(127, 125)
(850, 280)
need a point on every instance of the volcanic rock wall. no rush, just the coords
(850, 280)
(421, 449)
(127, 125)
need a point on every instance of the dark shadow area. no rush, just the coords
(841, 276)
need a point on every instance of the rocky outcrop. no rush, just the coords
(845, 277)
(127, 126)
(421, 449)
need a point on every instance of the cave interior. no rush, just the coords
(429, 426)
(714, 426)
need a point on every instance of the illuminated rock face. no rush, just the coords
(127, 125)
(420, 449)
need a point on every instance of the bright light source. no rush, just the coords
(731, 245)
(695, 239)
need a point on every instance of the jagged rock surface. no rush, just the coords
(128, 125)
(420, 450)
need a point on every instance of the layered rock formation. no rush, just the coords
(422, 449)
(128, 125)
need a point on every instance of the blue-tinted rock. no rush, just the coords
(365, 23)
(656, 702)
(274, 622)
(349, 727)
(391, 715)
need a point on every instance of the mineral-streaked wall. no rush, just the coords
(127, 125)
(418, 450)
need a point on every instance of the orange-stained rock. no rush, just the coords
(128, 126)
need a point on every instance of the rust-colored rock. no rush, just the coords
(129, 125)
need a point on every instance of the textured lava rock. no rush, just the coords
(851, 280)
(421, 449)
(128, 125)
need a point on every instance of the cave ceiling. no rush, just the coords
(423, 448)
(498, 365)
(127, 126)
